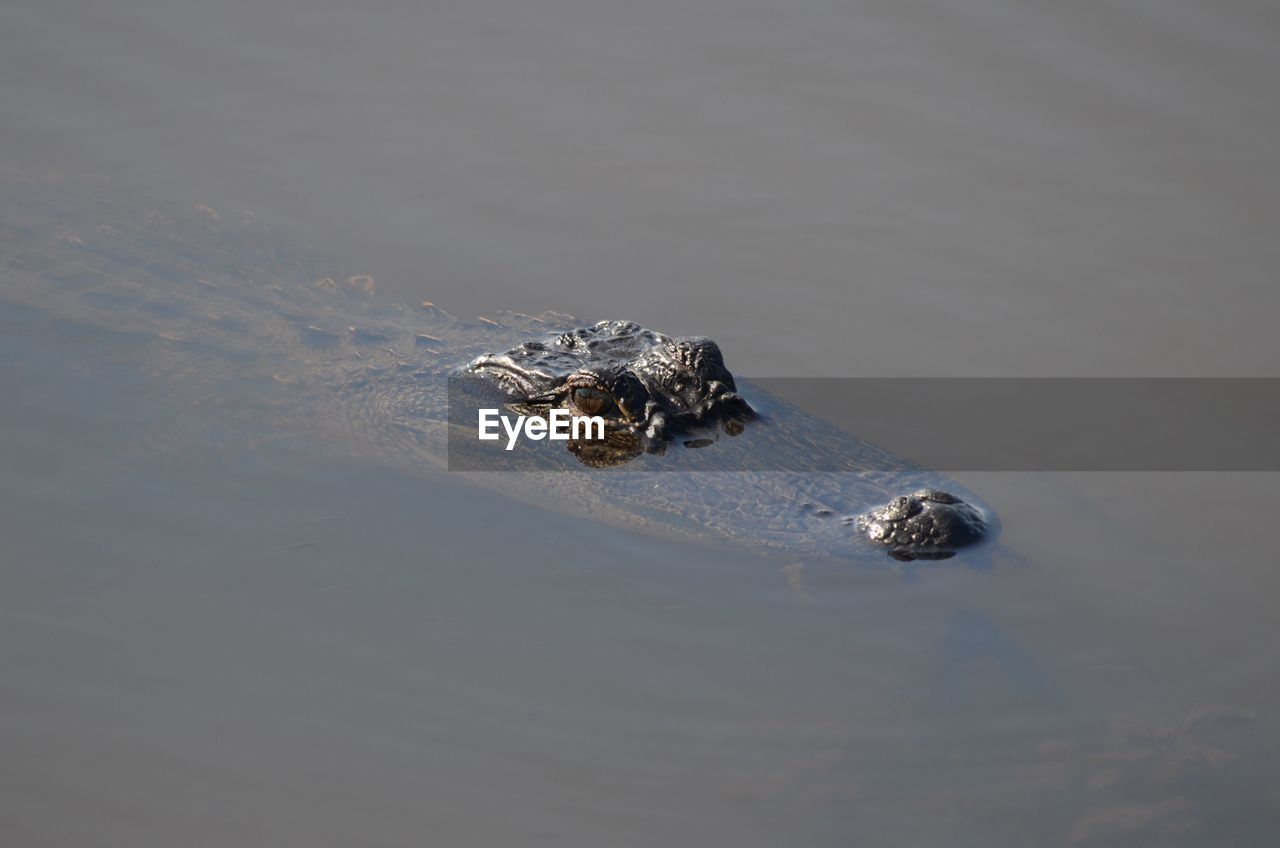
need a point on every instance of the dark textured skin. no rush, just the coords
(660, 387)
(922, 523)
(247, 334)
(665, 388)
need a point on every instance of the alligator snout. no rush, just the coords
(926, 524)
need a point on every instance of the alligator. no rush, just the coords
(222, 305)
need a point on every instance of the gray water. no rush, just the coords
(281, 647)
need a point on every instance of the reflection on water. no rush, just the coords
(217, 635)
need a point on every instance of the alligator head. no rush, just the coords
(649, 388)
(654, 390)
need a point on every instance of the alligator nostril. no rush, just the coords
(901, 507)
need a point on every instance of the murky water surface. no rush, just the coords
(280, 644)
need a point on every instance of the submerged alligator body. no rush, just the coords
(223, 308)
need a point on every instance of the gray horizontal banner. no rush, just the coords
(945, 424)
(1054, 424)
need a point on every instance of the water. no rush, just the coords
(279, 646)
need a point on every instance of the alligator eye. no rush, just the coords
(592, 401)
